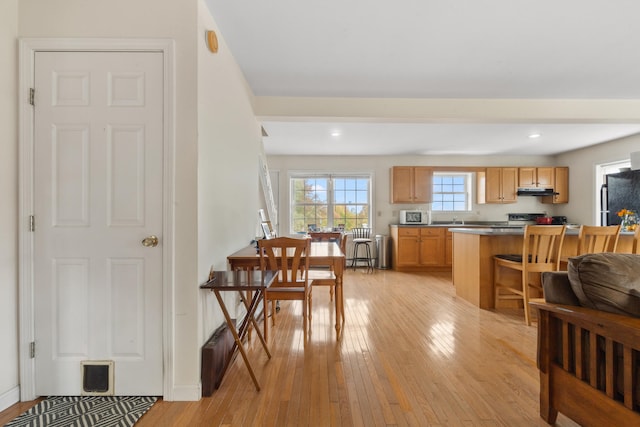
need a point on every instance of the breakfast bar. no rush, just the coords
(474, 248)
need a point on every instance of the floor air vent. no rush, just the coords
(97, 377)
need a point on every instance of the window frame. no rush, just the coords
(468, 191)
(331, 202)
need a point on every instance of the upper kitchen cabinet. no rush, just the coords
(498, 185)
(560, 187)
(535, 177)
(411, 184)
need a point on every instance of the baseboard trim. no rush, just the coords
(9, 398)
(187, 393)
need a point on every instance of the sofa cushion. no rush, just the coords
(557, 288)
(607, 281)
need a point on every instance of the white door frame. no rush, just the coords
(28, 47)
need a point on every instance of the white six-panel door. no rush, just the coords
(98, 157)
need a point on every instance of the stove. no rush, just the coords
(522, 219)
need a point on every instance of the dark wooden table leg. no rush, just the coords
(237, 339)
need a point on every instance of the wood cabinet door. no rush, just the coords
(432, 246)
(545, 177)
(509, 185)
(501, 185)
(494, 185)
(560, 186)
(408, 247)
(529, 177)
(422, 184)
(402, 184)
(448, 248)
(526, 177)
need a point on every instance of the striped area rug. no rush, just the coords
(85, 411)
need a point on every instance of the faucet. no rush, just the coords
(455, 220)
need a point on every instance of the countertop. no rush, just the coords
(514, 231)
(456, 224)
(491, 228)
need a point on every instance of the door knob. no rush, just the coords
(150, 241)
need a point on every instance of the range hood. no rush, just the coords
(536, 192)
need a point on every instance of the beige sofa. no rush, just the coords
(589, 341)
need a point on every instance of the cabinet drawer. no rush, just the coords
(404, 232)
(432, 231)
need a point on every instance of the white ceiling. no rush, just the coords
(453, 49)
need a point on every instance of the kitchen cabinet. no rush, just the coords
(529, 177)
(418, 248)
(560, 186)
(411, 184)
(500, 186)
(431, 246)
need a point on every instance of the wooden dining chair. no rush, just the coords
(325, 276)
(290, 257)
(636, 241)
(540, 252)
(595, 239)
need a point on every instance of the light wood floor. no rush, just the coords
(411, 354)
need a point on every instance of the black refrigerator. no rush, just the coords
(620, 191)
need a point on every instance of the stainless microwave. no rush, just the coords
(415, 217)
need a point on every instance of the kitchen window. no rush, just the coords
(328, 201)
(451, 192)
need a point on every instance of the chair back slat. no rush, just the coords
(286, 254)
(596, 239)
(541, 248)
(290, 256)
(542, 245)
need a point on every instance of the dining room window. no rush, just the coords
(327, 201)
(451, 192)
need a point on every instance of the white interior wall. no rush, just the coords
(228, 147)
(583, 191)
(9, 369)
(387, 213)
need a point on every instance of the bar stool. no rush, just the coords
(541, 248)
(361, 237)
(595, 238)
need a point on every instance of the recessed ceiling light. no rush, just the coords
(335, 133)
(535, 135)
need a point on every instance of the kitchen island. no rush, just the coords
(474, 248)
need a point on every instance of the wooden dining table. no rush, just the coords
(322, 253)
